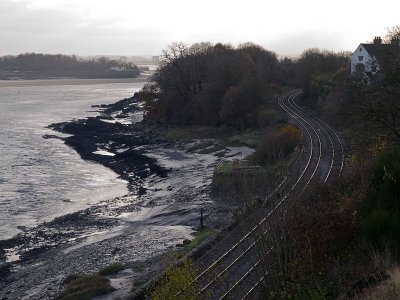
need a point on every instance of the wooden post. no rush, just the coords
(201, 219)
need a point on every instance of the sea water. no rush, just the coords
(41, 179)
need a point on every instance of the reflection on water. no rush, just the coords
(42, 178)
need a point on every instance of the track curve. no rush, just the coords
(232, 269)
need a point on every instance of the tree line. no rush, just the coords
(37, 62)
(222, 85)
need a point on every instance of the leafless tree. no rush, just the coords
(392, 33)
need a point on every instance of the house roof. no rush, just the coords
(386, 54)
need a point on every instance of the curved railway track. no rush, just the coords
(232, 269)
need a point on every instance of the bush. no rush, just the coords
(177, 284)
(84, 287)
(386, 182)
(200, 236)
(276, 145)
(111, 269)
(381, 222)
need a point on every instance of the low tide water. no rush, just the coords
(41, 179)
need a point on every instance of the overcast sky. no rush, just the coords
(131, 27)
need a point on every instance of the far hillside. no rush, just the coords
(45, 66)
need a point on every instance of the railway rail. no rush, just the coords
(232, 269)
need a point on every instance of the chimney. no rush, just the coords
(377, 40)
(395, 41)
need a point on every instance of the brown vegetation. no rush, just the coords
(276, 145)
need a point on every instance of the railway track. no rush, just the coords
(233, 269)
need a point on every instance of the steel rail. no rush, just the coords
(302, 122)
(293, 113)
(327, 135)
(340, 143)
(216, 262)
(262, 221)
(233, 263)
(248, 293)
(240, 280)
(334, 133)
(297, 116)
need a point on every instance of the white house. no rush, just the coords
(370, 58)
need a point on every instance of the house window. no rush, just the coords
(360, 49)
(360, 58)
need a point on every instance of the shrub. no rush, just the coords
(84, 287)
(385, 181)
(277, 145)
(111, 269)
(381, 222)
(177, 284)
(200, 236)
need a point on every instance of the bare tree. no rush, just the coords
(393, 32)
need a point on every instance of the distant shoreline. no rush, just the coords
(70, 81)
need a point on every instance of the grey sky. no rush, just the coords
(130, 27)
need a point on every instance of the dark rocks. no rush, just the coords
(92, 134)
(5, 270)
(126, 105)
(52, 136)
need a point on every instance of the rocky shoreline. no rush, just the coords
(160, 211)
